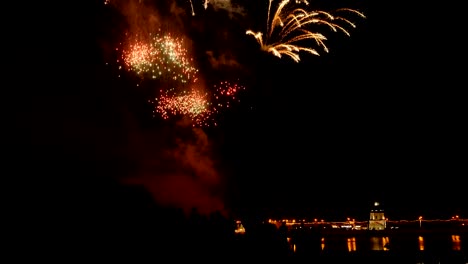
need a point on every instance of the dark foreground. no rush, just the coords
(111, 223)
(404, 248)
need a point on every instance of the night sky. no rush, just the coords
(378, 118)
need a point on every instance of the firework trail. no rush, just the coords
(158, 56)
(191, 5)
(200, 107)
(285, 31)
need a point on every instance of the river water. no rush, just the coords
(450, 248)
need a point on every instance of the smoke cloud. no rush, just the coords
(232, 9)
(176, 165)
(174, 161)
(140, 16)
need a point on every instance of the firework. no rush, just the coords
(287, 30)
(200, 107)
(226, 93)
(159, 56)
(192, 104)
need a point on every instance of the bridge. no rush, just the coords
(352, 224)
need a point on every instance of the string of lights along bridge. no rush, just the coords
(377, 221)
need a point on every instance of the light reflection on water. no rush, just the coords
(456, 243)
(379, 243)
(385, 243)
(351, 244)
(421, 243)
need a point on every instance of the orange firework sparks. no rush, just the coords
(159, 56)
(225, 94)
(138, 57)
(200, 107)
(286, 30)
(193, 104)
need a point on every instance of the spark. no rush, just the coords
(193, 104)
(159, 56)
(286, 31)
(225, 93)
(200, 107)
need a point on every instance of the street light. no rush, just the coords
(420, 219)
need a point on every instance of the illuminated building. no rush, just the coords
(377, 219)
